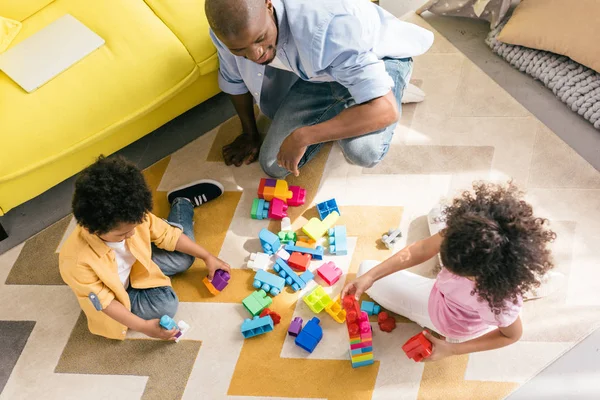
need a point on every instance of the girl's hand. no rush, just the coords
(440, 348)
(358, 287)
(213, 264)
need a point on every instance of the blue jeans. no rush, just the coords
(155, 302)
(312, 103)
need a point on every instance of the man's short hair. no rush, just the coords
(231, 17)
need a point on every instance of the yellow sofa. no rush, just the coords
(158, 62)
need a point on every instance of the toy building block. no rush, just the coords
(258, 261)
(218, 283)
(317, 299)
(283, 254)
(168, 323)
(274, 316)
(298, 196)
(269, 241)
(370, 308)
(278, 209)
(316, 254)
(300, 243)
(315, 228)
(329, 273)
(265, 182)
(286, 237)
(417, 347)
(310, 336)
(352, 309)
(256, 326)
(386, 323)
(337, 241)
(335, 310)
(257, 302)
(260, 209)
(299, 261)
(327, 207)
(213, 290)
(305, 239)
(282, 192)
(270, 283)
(291, 278)
(391, 237)
(286, 224)
(295, 326)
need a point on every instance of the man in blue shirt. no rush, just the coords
(326, 70)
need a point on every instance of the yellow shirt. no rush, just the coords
(88, 265)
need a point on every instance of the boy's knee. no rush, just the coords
(168, 306)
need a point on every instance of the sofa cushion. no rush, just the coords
(142, 65)
(186, 18)
(20, 10)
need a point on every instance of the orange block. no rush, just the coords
(210, 286)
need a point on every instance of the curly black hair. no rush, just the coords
(108, 193)
(491, 235)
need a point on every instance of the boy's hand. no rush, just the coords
(213, 264)
(357, 287)
(440, 348)
(153, 329)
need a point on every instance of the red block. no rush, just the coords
(417, 347)
(352, 308)
(278, 208)
(274, 316)
(299, 261)
(386, 323)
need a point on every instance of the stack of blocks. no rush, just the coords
(360, 333)
(274, 198)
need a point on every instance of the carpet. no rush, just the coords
(468, 128)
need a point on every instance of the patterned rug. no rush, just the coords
(468, 128)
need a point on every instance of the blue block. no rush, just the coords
(256, 326)
(270, 283)
(310, 336)
(167, 322)
(269, 241)
(370, 308)
(327, 207)
(291, 278)
(357, 352)
(362, 363)
(307, 276)
(337, 241)
(317, 254)
(263, 209)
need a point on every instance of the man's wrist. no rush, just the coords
(304, 136)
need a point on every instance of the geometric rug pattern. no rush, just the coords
(467, 129)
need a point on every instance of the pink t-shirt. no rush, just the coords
(458, 314)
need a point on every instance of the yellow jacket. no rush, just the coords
(88, 265)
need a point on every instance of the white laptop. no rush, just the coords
(48, 52)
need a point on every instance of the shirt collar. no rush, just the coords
(282, 23)
(95, 242)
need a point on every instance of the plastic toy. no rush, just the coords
(317, 299)
(335, 310)
(390, 239)
(283, 254)
(291, 278)
(370, 308)
(168, 323)
(286, 224)
(265, 182)
(278, 208)
(270, 283)
(417, 347)
(257, 302)
(295, 326)
(260, 209)
(298, 196)
(327, 207)
(337, 241)
(310, 336)
(359, 332)
(315, 228)
(219, 282)
(299, 261)
(256, 326)
(305, 239)
(386, 323)
(287, 237)
(258, 261)
(316, 254)
(300, 243)
(329, 273)
(274, 316)
(269, 241)
(269, 189)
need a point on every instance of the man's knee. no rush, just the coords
(363, 154)
(269, 165)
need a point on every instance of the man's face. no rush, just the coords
(121, 232)
(258, 41)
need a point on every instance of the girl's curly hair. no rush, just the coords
(492, 236)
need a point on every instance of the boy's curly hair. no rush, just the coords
(110, 192)
(492, 235)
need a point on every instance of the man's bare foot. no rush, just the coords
(243, 150)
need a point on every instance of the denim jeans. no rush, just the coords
(155, 302)
(310, 103)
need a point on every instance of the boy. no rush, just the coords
(118, 259)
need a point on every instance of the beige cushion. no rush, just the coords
(567, 27)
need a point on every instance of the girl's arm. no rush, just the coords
(495, 339)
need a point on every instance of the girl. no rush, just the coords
(493, 250)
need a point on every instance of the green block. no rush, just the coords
(287, 237)
(257, 302)
(254, 209)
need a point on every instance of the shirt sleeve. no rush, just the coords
(507, 317)
(83, 280)
(163, 235)
(341, 50)
(230, 79)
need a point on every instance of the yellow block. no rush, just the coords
(363, 357)
(315, 228)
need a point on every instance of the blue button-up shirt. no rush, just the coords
(325, 41)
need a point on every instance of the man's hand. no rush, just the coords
(243, 150)
(213, 264)
(440, 348)
(291, 152)
(153, 329)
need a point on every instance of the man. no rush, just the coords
(328, 70)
